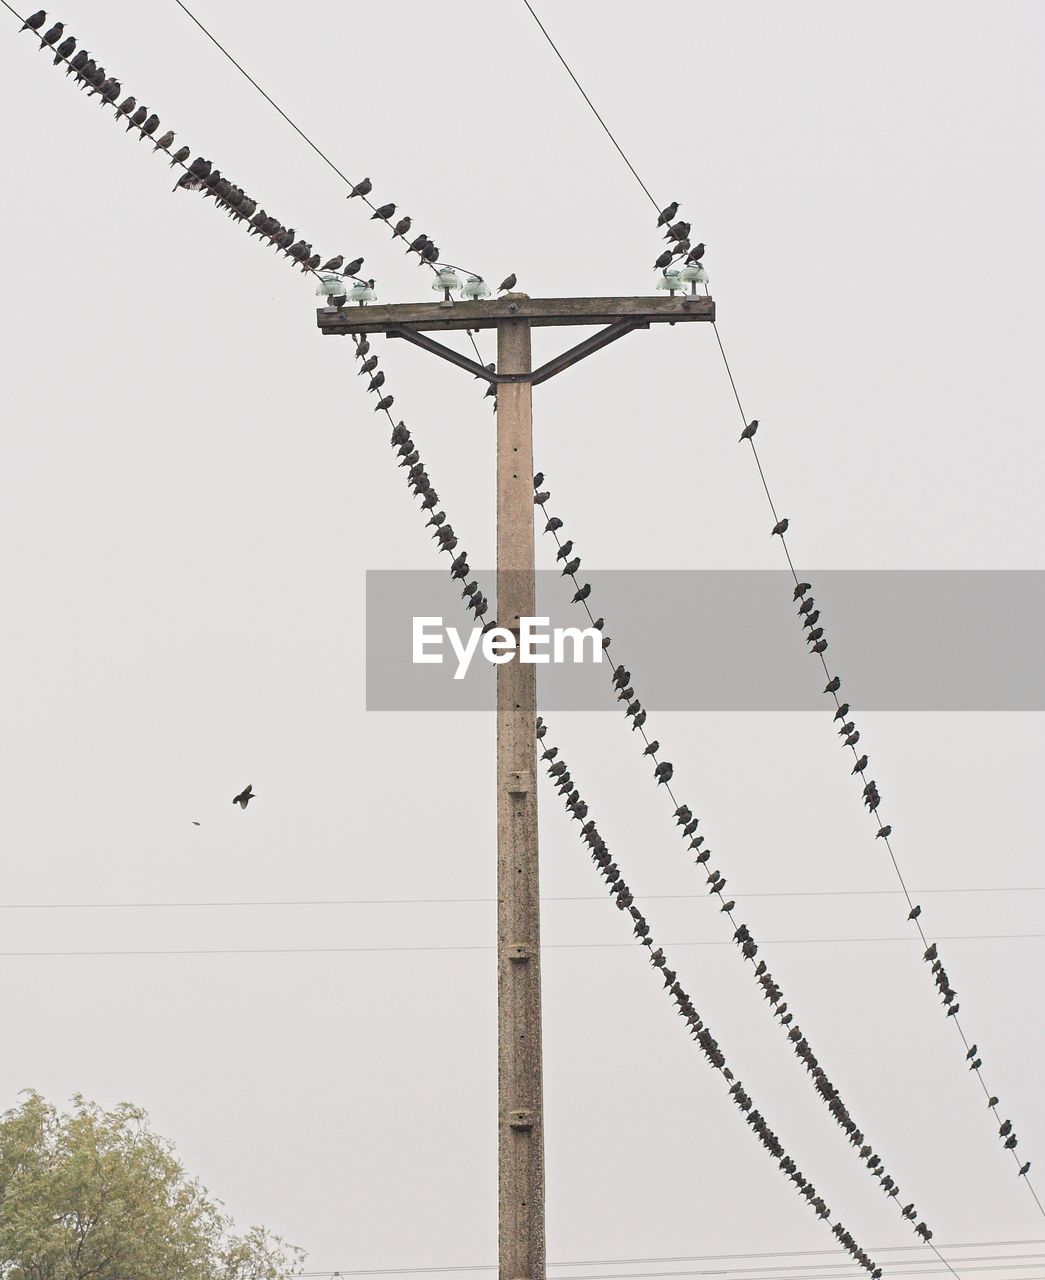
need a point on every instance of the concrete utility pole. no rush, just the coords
(520, 1096)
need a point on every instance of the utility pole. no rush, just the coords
(520, 1095)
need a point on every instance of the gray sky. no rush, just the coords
(193, 485)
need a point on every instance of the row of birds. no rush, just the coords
(610, 872)
(420, 485)
(621, 683)
(200, 173)
(850, 734)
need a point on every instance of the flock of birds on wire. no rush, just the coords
(199, 174)
(625, 900)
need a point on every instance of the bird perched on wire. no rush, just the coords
(695, 254)
(78, 63)
(363, 188)
(385, 402)
(749, 430)
(377, 381)
(352, 269)
(49, 37)
(417, 244)
(149, 127)
(677, 231)
(666, 215)
(126, 107)
(368, 366)
(780, 528)
(663, 261)
(164, 144)
(245, 796)
(833, 685)
(382, 213)
(333, 264)
(35, 22)
(180, 156)
(430, 252)
(64, 50)
(508, 283)
(402, 227)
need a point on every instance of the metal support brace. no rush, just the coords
(547, 370)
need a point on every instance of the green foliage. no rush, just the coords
(96, 1195)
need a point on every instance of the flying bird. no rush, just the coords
(508, 283)
(245, 796)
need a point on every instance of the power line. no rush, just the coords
(580, 897)
(660, 1259)
(884, 831)
(591, 104)
(545, 946)
(297, 129)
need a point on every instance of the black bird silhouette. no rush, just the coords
(860, 765)
(363, 188)
(571, 567)
(666, 215)
(582, 594)
(971, 1053)
(565, 549)
(800, 589)
(854, 737)
(842, 711)
(78, 63)
(696, 253)
(402, 227)
(49, 37)
(383, 213)
(748, 432)
(811, 619)
(384, 403)
(180, 156)
(333, 264)
(138, 119)
(417, 244)
(914, 913)
(884, 833)
(664, 260)
(508, 283)
(244, 797)
(430, 253)
(1006, 1129)
(65, 49)
(35, 22)
(639, 721)
(165, 142)
(553, 524)
(377, 381)
(149, 127)
(1024, 1170)
(806, 607)
(833, 685)
(126, 107)
(539, 499)
(652, 750)
(780, 528)
(366, 367)
(992, 1102)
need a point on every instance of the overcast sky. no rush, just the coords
(193, 484)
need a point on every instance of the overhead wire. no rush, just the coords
(885, 830)
(365, 196)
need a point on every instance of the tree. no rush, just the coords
(96, 1195)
